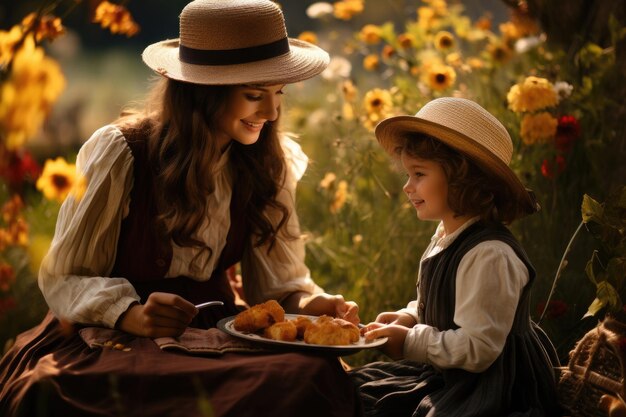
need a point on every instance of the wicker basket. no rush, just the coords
(595, 368)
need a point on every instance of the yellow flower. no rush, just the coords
(444, 40)
(371, 62)
(357, 239)
(115, 17)
(378, 101)
(439, 6)
(539, 127)
(57, 179)
(349, 90)
(532, 94)
(406, 40)
(370, 34)
(454, 59)
(46, 27)
(347, 9)
(426, 18)
(474, 62)
(8, 40)
(328, 180)
(439, 77)
(341, 196)
(26, 97)
(308, 36)
(499, 52)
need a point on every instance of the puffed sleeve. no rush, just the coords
(74, 274)
(489, 271)
(282, 271)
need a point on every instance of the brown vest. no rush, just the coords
(144, 254)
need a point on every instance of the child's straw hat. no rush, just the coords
(468, 128)
(234, 42)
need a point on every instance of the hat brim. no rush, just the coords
(391, 130)
(304, 60)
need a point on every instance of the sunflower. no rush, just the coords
(538, 128)
(57, 179)
(440, 77)
(532, 94)
(499, 52)
(378, 101)
(444, 40)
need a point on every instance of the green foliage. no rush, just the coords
(607, 267)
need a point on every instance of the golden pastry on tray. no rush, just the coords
(268, 320)
(259, 317)
(331, 331)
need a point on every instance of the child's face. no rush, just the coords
(427, 188)
(247, 109)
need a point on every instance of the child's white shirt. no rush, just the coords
(489, 282)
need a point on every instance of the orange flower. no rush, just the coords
(388, 51)
(117, 18)
(370, 34)
(45, 27)
(308, 36)
(371, 62)
(406, 40)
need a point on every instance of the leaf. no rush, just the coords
(616, 272)
(609, 295)
(594, 308)
(589, 268)
(592, 211)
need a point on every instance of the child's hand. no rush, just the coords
(392, 317)
(162, 315)
(394, 348)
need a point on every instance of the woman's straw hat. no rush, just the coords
(234, 42)
(465, 126)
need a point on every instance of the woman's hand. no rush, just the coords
(319, 304)
(394, 348)
(162, 315)
(393, 317)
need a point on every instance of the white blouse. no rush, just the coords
(75, 274)
(489, 282)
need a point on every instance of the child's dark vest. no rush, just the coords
(144, 254)
(437, 287)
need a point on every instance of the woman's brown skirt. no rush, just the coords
(51, 371)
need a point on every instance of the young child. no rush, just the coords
(468, 345)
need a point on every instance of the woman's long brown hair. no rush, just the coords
(183, 151)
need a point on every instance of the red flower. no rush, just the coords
(19, 166)
(550, 169)
(556, 309)
(567, 131)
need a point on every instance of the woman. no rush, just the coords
(177, 193)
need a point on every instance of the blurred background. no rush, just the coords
(552, 72)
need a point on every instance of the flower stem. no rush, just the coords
(560, 270)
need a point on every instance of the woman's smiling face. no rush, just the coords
(247, 109)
